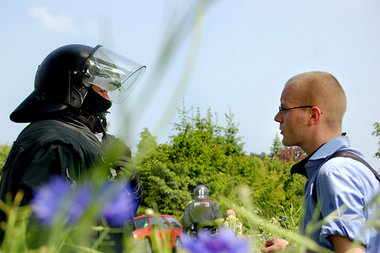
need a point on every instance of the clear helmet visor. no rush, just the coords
(112, 72)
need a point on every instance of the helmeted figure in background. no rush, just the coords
(201, 213)
(66, 110)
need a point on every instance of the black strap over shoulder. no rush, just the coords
(350, 155)
(358, 158)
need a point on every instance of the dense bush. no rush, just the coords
(201, 152)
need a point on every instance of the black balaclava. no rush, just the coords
(95, 103)
(94, 109)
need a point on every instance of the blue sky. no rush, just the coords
(247, 50)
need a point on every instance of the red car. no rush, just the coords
(145, 225)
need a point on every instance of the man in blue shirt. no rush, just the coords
(310, 116)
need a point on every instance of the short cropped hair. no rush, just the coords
(323, 90)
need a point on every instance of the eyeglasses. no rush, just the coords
(283, 109)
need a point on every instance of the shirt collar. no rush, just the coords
(324, 151)
(299, 168)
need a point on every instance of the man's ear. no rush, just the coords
(315, 115)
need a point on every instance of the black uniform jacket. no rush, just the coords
(55, 146)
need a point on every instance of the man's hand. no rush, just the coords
(274, 245)
(119, 158)
(125, 167)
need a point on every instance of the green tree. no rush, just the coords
(233, 142)
(276, 146)
(262, 155)
(376, 133)
(146, 145)
(165, 183)
(198, 153)
(4, 150)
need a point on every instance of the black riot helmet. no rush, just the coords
(64, 77)
(201, 192)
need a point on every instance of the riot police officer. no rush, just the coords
(66, 110)
(201, 213)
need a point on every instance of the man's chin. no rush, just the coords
(286, 143)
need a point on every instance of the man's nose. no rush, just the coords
(278, 117)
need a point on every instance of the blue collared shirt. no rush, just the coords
(345, 186)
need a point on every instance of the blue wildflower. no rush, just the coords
(79, 204)
(48, 199)
(56, 201)
(224, 242)
(121, 208)
(284, 219)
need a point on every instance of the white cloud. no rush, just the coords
(51, 22)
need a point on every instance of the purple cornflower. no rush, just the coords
(56, 201)
(122, 205)
(80, 202)
(48, 199)
(223, 242)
